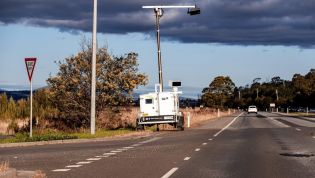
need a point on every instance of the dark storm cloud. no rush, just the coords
(240, 22)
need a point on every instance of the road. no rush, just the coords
(242, 145)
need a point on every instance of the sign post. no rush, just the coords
(30, 65)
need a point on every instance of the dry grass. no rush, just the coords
(128, 117)
(199, 115)
(4, 166)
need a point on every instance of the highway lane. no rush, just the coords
(266, 145)
(256, 146)
(142, 157)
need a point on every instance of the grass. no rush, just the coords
(302, 114)
(24, 137)
(102, 133)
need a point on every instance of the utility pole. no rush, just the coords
(93, 88)
(277, 94)
(239, 95)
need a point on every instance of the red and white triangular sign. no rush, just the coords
(30, 65)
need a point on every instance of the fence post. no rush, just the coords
(188, 119)
(218, 112)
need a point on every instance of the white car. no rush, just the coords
(252, 109)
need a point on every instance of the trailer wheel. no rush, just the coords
(139, 126)
(180, 124)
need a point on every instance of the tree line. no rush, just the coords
(65, 102)
(294, 93)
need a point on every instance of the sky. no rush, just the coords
(244, 39)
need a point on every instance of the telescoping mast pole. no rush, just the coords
(158, 10)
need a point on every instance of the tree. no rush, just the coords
(3, 105)
(220, 90)
(117, 77)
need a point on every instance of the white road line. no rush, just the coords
(84, 162)
(187, 158)
(197, 149)
(138, 144)
(122, 149)
(71, 166)
(115, 151)
(109, 153)
(215, 135)
(151, 140)
(105, 156)
(61, 170)
(93, 159)
(313, 136)
(169, 173)
(297, 129)
(279, 123)
(128, 147)
(204, 143)
(210, 139)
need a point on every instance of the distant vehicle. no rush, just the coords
(252, 109)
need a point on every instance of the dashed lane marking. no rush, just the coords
(128, 147)
(170, 172)
(122, 149)
(105, 156)
(218, 133)
(115, 151)
(61, 170)
(204, 143)
(73, 166)
(210, 139)
(109, 154)
(138, 144)
(84, 162)
(313, 136)
(93, 159)
(278, 122)
(197, 149)
(187, 158)
(297, 129)
(150, 140)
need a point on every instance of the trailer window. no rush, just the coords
(148, 101)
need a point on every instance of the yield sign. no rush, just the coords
(30, 65)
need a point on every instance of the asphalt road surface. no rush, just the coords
(243, 145)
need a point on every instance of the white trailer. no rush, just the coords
(160, 108)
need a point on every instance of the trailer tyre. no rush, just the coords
(139, 126)
(180, 124)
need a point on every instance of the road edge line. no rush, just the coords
(218, 133)
(170, 172)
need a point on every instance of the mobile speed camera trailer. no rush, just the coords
(162, 107)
